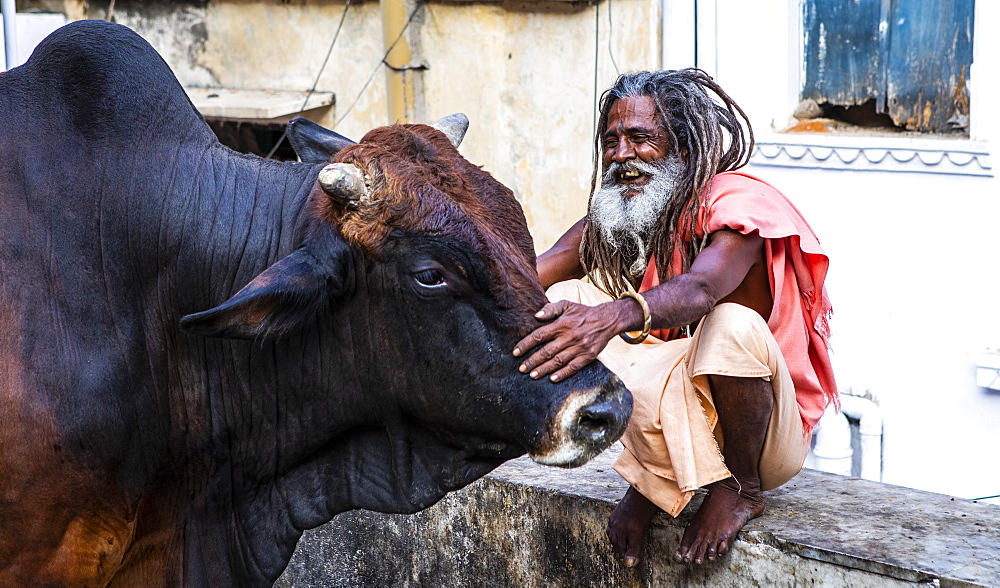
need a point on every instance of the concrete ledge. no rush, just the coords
(255, 104)
(528, 525)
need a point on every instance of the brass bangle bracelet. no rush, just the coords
(647, 319)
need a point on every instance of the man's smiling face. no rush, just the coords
(634, 133)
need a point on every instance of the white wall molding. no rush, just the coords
(931, 156)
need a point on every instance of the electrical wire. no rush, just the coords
(611, 30)
(597, 51)
(381, 62)
(611, 54)
(319, 74)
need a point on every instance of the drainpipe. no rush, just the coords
(400, 74)
(869, 417)
(832, 451)
(9, 32)
(678, 33)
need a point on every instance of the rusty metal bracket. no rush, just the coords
(418, 66)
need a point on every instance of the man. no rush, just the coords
(717, 255)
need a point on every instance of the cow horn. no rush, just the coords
(343, 182)
(453, 126)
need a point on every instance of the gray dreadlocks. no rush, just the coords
(698, 127)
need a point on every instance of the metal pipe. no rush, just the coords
(869, 417)
(398, 76)
(832, 451)
(678, 33)
(9, 11)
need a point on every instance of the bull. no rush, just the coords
(204, 353)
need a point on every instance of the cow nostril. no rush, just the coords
(594, 422)
(585, 425)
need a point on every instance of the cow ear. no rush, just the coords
(284, 296)
(314, 143)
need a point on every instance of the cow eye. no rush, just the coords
(431, 278)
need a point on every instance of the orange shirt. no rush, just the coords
(797, 271)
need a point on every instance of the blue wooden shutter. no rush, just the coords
(911, 57)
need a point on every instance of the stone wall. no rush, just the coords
(528, 525)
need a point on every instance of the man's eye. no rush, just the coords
(429, 278)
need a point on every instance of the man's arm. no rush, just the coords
(716, 273)
(562, 260)
(574, 334)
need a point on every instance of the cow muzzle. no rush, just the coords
(585, 424)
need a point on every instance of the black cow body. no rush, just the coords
(363, 362)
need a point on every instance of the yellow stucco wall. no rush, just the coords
(524, 73)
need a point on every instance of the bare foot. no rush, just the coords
(718, 521)
(628, 525)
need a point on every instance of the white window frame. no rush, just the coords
(915, 153)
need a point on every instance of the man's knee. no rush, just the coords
(576, 291)
(739, 322)
(733, 340)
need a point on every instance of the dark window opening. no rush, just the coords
(257, 138)
(862, 115)
(828, 117)
(905, 60)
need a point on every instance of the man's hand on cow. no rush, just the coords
(573, 335)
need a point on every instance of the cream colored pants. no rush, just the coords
(672, 444)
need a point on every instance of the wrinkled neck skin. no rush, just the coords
(287, 449)
(236, 410)
(204, 476)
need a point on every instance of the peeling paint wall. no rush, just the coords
(524, 72)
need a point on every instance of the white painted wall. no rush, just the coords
(31, 29)
(915, 274)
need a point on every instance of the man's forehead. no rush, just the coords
(633, 112)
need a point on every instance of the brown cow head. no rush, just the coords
(443, 285)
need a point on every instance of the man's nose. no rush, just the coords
(624, 151)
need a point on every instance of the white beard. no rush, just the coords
(631, 220)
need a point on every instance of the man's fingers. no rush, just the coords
(536, 337)
(575, 365)
(551, 310)
(547, 313)
(545, 360)
(551, 364)
(558, 348)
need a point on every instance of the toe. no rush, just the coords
(723, 547)
(703, 556)
(683, 554)
(633, 550)
(700, 552)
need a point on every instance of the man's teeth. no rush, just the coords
(630, 174)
